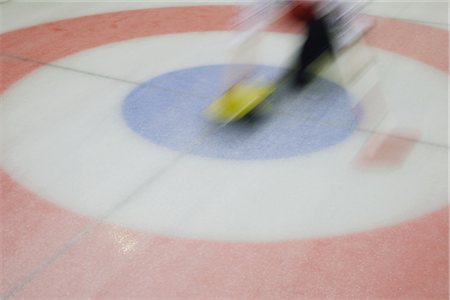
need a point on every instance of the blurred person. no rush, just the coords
(332, 26)
(329, 26)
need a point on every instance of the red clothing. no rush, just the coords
(304, 11)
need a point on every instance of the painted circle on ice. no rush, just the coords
(168, 110)
(208, 267)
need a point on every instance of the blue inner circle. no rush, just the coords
(168, 110)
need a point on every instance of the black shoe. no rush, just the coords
(301, 79)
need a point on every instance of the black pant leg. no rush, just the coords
(317, 43)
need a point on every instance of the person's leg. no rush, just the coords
(317, 43)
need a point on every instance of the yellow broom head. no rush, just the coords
(238, 101)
